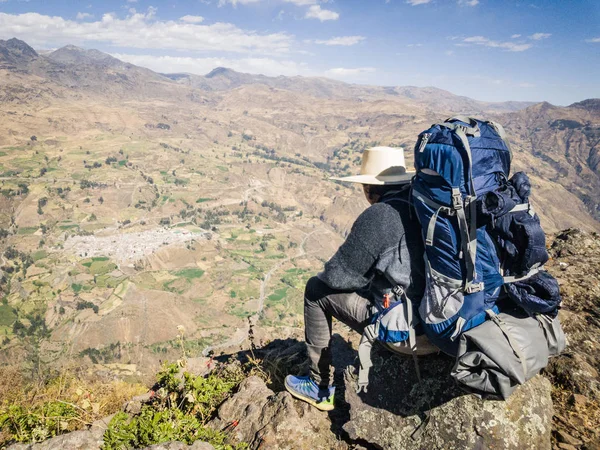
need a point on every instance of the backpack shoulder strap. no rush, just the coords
(500, 130)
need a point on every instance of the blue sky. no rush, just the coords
(484, 49)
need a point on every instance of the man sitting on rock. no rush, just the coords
(384, 249)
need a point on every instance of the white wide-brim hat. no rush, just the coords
(381, 165)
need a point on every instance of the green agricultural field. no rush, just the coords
(27, 230)
(90, 261)
(296, 278)
(78, 287)
(278, 295)
(99, 265)
(106, 281)
(7, 316)
(40, 254)
(190, 274)
(183, 281)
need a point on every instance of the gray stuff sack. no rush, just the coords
(504, 352)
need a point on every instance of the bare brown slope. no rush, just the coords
(559, 146)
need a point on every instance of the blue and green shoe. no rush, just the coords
(304, 388)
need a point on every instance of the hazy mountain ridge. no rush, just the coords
(221, 79)
(69, 65)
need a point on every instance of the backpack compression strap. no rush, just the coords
(410, 320)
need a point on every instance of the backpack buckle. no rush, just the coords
(398, 291)
(474, 287)
(457, 201)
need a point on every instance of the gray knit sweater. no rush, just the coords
(383, 248)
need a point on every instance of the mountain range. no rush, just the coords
(77, 68)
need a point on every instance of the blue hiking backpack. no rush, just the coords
(459, 162)
(483, 242)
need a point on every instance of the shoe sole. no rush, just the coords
(319, 405)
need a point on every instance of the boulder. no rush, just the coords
(399, 412)
(269, 420)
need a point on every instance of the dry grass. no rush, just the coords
(91, 397)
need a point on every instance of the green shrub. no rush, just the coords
(49, 420)
(153, 427)
(179, 411)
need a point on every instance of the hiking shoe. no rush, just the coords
(304, 388)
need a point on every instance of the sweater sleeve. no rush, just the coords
(376, 229)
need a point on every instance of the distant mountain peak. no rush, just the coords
(591, 104)
(74, 54)
(220, 71)
(17, 49)
(72, 48)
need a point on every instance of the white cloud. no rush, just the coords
(414, 45)
(192, 19)
(82, 16)
(468, 2)
(315, 12)
(540, 36)
(341, 40)
(340, 72)
(510, 46)
(526, 85)
(236, 2)
(593, 40)
(201, 66)
(132, 1)
(449, 52)
(515, 36)
(418, 2)
(141, 31)
(301, 2)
